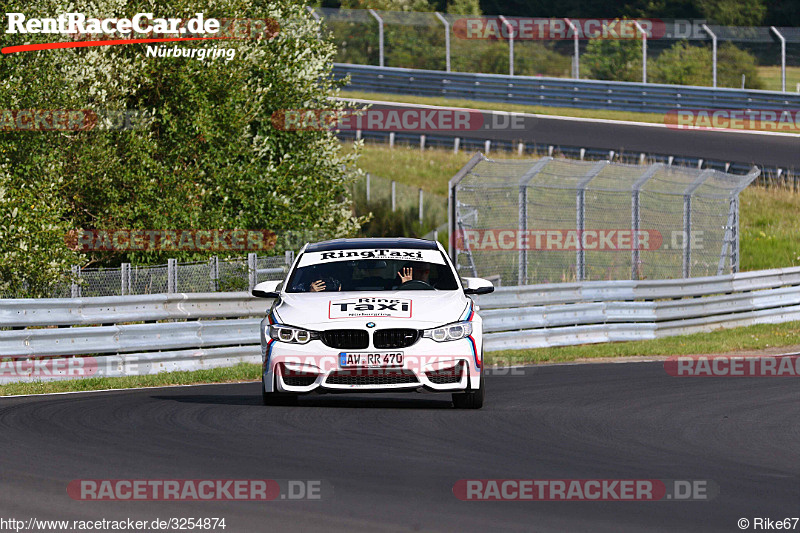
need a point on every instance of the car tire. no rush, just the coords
(472, 399)
(276, 398)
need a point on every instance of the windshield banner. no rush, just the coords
(411, 255)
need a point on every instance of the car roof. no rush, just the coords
(356, 244)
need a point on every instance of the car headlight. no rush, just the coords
(291, 335)
(450, 332)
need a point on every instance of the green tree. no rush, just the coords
(211, 157)
(734, 12)
(616, 60)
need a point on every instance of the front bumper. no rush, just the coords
(427, 365)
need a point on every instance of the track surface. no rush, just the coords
(741, 147)
(392, 460)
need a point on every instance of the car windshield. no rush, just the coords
(373, 275)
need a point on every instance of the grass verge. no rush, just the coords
(717, 342)
(503, 106)
(721, 341)
(653, 118)
(240, 372)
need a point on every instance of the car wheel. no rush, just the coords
(276, 398)
(472, 399)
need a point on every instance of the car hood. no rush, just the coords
(336, 310)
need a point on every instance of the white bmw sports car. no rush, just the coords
(372, 315)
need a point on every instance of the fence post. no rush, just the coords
(644, 50)
(288, 257)
(783, 57)
(580, 217)
(172, 276)
(252, 265)
(394, 195)
(380, 34)
(446, 39)
(420, 207)
(317, 18)
(576, 65)
(636, 216)
(214, 270)
(125, 278)
(508, 25)
(75, 288)
(367, 187)
(687, 220)
(522, 271)
(456, 144)
(452, 207)
(713, 54)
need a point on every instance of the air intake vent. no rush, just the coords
(346, 339)
(395, 338)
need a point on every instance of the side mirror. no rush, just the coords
(477, 286)
(267, 289)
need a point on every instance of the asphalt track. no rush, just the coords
(781, 150)
(392, 460)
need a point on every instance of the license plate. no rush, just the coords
(371, 360)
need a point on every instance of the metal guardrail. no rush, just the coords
(558, 92)
(139, 335)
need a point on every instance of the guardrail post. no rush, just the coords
(125, 278)
(394, 195)
(783, 57)
(636, 216)
(252, 274)
(576, 62)
(172, 276)
(507, 24)
(380, 34)
(368, 177)
(522, 271)
(75, 287)
(713, 54)
(446, 39)
(580, 217)
(213, 264)
(420, 207)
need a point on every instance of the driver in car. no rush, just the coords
(420, 272)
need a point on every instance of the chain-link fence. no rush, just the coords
(557, 220)
(397, 209)
(214, 275)
(546, 47)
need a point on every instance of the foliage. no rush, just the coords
(685, 64)
(210, 158)
(617, 60)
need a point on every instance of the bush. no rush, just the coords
(614, 60)
(685, 64)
